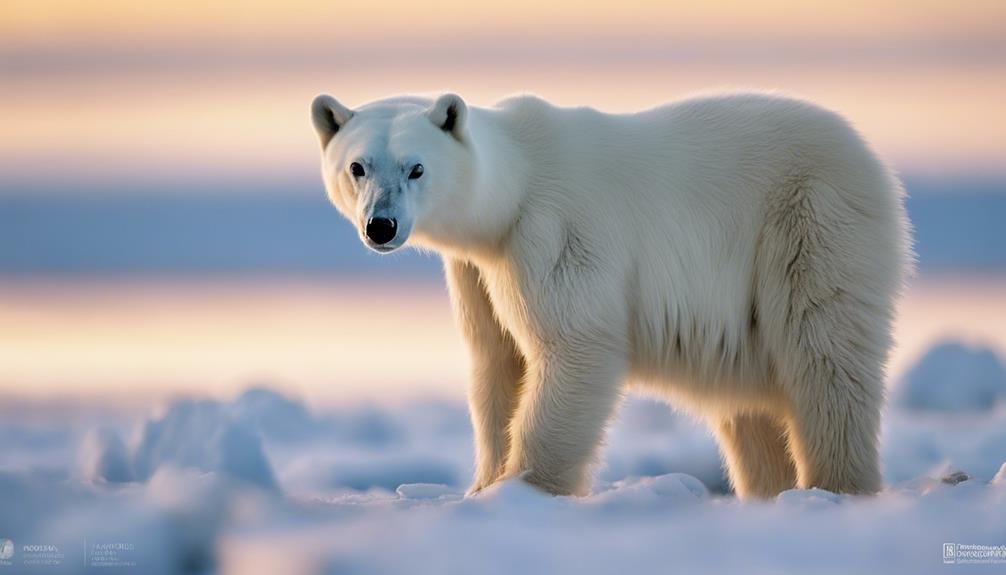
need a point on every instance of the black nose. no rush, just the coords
(381, 230)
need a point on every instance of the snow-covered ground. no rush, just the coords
(262, 483)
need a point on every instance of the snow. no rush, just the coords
(1000, 477)
(929, 444)
(424, 491)
(264, 483)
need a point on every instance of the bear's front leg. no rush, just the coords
(571, 393)
(497, 369)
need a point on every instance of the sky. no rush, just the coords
(163, 226)
(105, 92)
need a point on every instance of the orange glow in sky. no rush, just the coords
(28, 20)
(110, 89)
(322, 341)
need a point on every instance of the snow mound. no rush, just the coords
(229, 437)
(652, 493)
(954, 377)
(809, 498)
(202, 435)
(513, 494)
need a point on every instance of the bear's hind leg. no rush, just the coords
(834, 428)
(829, 266)
(758, 461)
(831, 369)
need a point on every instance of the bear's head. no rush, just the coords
(394, 168)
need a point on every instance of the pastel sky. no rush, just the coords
(150, 95)
(110, 91)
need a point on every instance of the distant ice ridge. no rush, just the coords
(204, 435)
(245, 438)
(269, 440)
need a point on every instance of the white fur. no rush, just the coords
(739, 254)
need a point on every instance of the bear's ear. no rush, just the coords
(449, 113)
(328, 116)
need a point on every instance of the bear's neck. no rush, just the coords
(484, 220)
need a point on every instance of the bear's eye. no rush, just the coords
(416, 172)
(357, 170)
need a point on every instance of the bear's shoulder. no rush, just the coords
(526, 106)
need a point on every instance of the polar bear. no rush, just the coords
(737, 254)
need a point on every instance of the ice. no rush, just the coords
(205, 436)
(264, 483)
(104, 457)
(425, 491)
